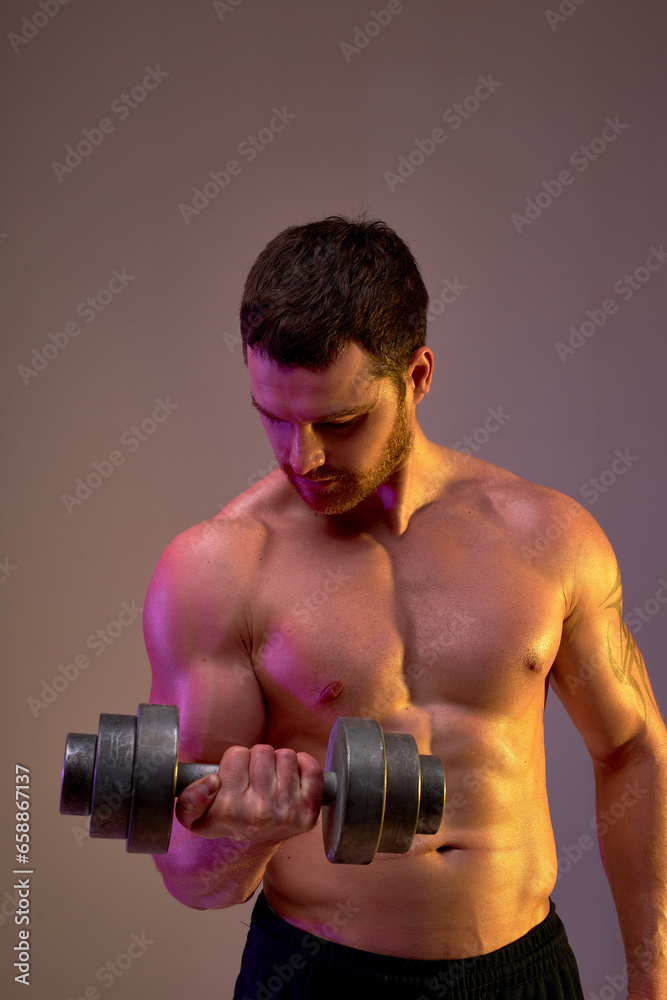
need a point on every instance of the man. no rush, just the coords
(376, 573)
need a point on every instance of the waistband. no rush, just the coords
(530, 956)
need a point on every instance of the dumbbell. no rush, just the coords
(378, 790)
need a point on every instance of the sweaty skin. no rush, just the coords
(433, 606)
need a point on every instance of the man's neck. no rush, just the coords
(389, 509)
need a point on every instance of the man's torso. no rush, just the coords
(448, 632)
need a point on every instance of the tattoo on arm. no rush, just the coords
(624, 656)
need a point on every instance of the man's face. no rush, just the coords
(334, 425)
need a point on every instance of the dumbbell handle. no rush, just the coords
(187, 773)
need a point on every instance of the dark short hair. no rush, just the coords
(316, 288)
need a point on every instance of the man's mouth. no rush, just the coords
(316, 482)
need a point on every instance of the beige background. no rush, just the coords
(172, 334)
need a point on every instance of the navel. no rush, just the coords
(331, 692)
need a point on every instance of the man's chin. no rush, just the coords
(321, 505)
(337, 499)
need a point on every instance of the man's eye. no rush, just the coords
(340, 425)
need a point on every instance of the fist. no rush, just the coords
(261, 795)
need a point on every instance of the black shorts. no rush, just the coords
(283, 962)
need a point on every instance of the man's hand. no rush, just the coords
(263, 795)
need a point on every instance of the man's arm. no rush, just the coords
(198, 633)
(600, 677)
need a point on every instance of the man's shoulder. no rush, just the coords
(239, 533)
(230, 542)
(543, 517)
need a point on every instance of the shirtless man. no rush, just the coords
(376, 573)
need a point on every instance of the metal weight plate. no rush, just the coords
(76, 790)
(433, 790)
(112, 781)
(401, 809)
(352, 824)
(154, 790)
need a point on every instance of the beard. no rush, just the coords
(350, 489)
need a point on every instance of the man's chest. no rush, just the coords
(451, 614)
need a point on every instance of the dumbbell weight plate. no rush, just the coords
(351, 825)
(154, 789)
(432, 798)
(76, 790)
(112, 780)
(401, 808)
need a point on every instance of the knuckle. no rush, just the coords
(263, 816)
(186, 817)
(225, 807)
(186, 806)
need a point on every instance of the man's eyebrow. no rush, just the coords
(351, 411)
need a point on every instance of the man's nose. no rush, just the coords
(306, 452)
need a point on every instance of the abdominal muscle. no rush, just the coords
(480, 883)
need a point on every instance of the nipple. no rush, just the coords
(331, 692)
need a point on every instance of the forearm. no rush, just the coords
(632, 828)
(212, 874)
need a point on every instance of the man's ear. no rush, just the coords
(420, 372)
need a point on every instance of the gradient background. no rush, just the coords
(173, 332)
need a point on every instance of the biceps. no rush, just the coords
(200, 663)
(220, 705)
(600, 677)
